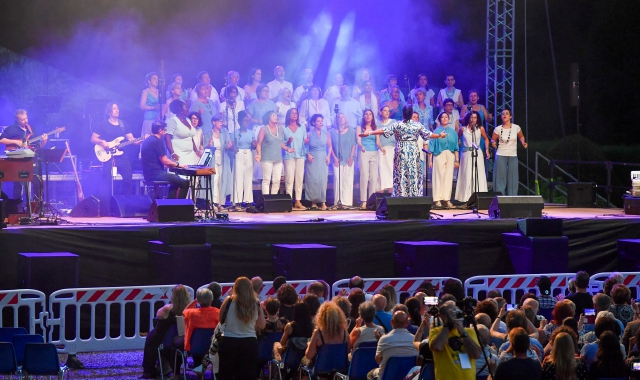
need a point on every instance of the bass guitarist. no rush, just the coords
(106, 131)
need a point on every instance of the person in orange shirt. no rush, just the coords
(204, 317)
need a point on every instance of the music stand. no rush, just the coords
(52, 154)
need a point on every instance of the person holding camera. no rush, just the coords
(455, 348)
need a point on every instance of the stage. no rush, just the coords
(113, 251)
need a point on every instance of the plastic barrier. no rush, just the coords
(401, 285)
(631, 279)
(267, 291)
(120, 298)
(513, 286)
(33, 300)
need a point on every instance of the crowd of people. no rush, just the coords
(545, 336)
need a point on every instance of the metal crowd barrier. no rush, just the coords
(513, 287)
(401, 285)
(36, 312)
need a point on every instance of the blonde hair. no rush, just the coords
(330, 319)
(562, 355)
(245, 299)
(180, 298)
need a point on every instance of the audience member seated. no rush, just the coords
(621, 296)
(356, 298)
(298, 331)
(216, 290)
(630, 331)
(562, 329)
(365, 330)
(482, 367)
(608, 285)
(455, 348)
(274, 322)
(288, 297)
(386, 295)
(413, 311)
(609, 361)
(319, 289)
(166, 315)
(589, 350)
(561, 311)
(344, 305)
(515, 318)
(493, 293)
(590, 337)
(520, 366)
(314, 304)
(392, 300)
(454, 287)
(358, 282)
(331, 329)
(546, 299)
(562, 363)
(203, 317)
(581, 298)
(382, 318)
(398, 342)
(278, 282)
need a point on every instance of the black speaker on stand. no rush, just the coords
(274, 203)
(516, 206)
(404, 208)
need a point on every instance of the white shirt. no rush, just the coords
(231, 116)
(299, 93)
(241, 92)
(275, 87)
(332, 94)
(311, 107)
(427, 99)
(507, 140)
(281, 110)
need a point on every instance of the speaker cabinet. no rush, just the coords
(628, 255)
(305, 261)
(632, 205)
(426, 259)
(88, 208)
(171, 210)
(188, 264)
(540, 227)
(481, 200)
(48, 272)
(274, 203)
(531, 254)
(515, 206)
(404, 208)
(374, 200)
(130, 206)
(581, 194)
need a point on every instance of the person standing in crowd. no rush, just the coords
(204, 79)
(362, 77)
(250, 89)
(302, 92)
(233, 78)
(368, 100)
(386, 152)
(505, 170)
(368, 158)
(482, 111)
(348, 106)
(295, 153)
(154, 160)
(150, 103)
(243, 162)
(422, 108)
(343, 139)
(231, 107)
(429, 94)
(278, 83)
(284, 104)
(223, 156)
(206, 107)
(444, 158)
(450, 92)
(196, 122)
(470, 178)
(395, 103)
(318, 159)
(385, 95)
(180, 136)
(173, 93)
(407, 172)
(313, 105)
(261, 106)
(454, 115)
(333, 92)
(184, 93)
(269, 152)
(106, 131)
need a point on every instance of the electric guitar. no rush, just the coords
(30, 142)
(114, 149)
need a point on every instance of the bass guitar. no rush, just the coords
(30, 142)
(114, 149)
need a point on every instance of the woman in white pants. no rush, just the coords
(343, 140)
(269, 152)
(444, 159)
(386, 152)
(368, 158)
(243, 168)
(295, 153)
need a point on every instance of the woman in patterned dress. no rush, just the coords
(407, 171)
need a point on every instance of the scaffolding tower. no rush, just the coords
(499, 56)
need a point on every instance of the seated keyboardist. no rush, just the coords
(154, 159)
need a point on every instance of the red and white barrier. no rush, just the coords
(631, 279)
(34, 300)
(268, 290)
(513, 286)
(92, 297)
(401, 285)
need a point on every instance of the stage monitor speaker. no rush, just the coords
(516, 206)
(581, 194)
(540, 227)
(404, 208)
(632, 206)
(48, 271)
(481, 200)
(374, 200)
(87, 208)
(274, 203)
(304, 261)
(130, 206)
(171, 210)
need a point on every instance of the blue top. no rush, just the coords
(343, 144)
(351, 109)
(387, 141)
(369, 143)
(386, 96)
(272, 145)
(257, 109)
(426, 115)
(436, 146)
(244, 139)
(151, 101)
(300, 149)
(383, 318)
(208, 110)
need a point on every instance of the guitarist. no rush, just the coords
(15, 136)
(105, 132)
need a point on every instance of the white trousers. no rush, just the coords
(244, 176)
(442, 175)
(385, 162)
(368, 174)
(294, 174)
(271, 173)
(343, 186)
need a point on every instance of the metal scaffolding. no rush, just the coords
(499, 55)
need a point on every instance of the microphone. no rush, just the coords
(475, 146)
(336, 109)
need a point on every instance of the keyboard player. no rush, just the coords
(154, 159)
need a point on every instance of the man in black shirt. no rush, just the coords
(520, 367)
(105, 132)
(154, 159)
(581, 298)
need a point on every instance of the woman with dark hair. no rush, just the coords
(288, 297)
(296, 139)
(407, 173)
(181, 135)
(562, 363)
(444, 159)
(413, 306)
(231, 108)
(196, 122)
(363, 76)
(206, 107)
(261, 106)
(318, 160)
(621, 295)
(422, 84)
(150, 102)
(243, 163)
(368, 157)
(505, 168)
(313, 105)
(395, 103)
(356, 298)
(471, 178)
(343, 139)
(269, 150)
(386, 152)
(223, 155)
(250, 89)
(385, 94)
(299, 330)
(610, 362)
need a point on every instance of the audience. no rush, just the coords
(581, 298)
(313, 302)
(288, 297)
(331, 329)
(203, 317)
(274, 323)
(621, 309)
(520, 366)
(609, 361)
(216, 291)
(356, 298)
(298, 331)
(589, 350)
(562, 363)
(382, 318)
(397, 342)
(365, 330)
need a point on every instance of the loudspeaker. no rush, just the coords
(628, 255)
(171, 210)
(181, 264)
(426, 259)
(88, 208)
(540, 227)
(516, 206)
(130, 206)
(404, 208)
(305, 261)
(274, 203)
(183, 235)
(632, 206)
(481, 200)
(529, 254)
(48, 272)
(581, 194)
(374, 200)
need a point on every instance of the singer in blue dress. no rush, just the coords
(407, 171)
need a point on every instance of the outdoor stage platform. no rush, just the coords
(113, 251)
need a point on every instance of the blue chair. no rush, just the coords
(165, 345)
(291, 360)
(331, 358)
(428, 371)
(265, 349)
(41, 359)
(7, 333)
(546, 313)
(8, 362)
(363, 360)
(200, 342)
(19, 342)
(397, 367)
(373, 343)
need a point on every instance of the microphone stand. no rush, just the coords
(431, 213)
(475, 184)
(338, 205)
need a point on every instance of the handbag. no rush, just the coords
(218, 333)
